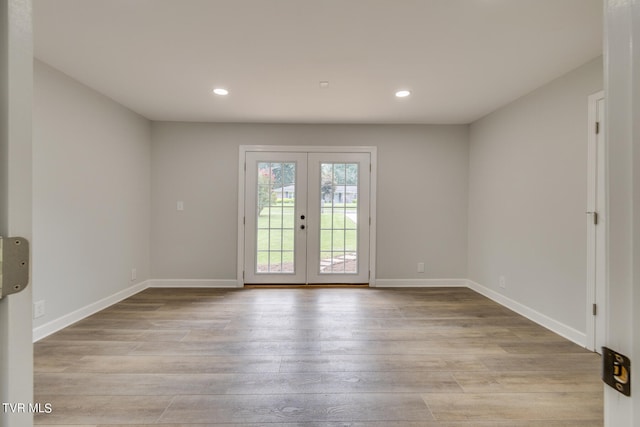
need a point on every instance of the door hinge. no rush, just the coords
(14, 265)
(595, 218)
(244, 220)
(594, 309)
(597, 128)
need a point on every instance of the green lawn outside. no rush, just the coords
(272, 228)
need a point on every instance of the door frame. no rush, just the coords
(597, 255)
(243, 149)
(16, 84)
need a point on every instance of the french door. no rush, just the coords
(306, 217)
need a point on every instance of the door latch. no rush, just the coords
(14, 265)
(616, 371)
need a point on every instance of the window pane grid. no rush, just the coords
(339, 216)
(275, 211)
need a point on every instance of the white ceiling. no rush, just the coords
(460, 58)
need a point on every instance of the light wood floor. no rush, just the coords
(315, 357)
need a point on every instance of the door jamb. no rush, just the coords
(243, 149)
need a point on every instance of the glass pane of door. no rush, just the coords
(275, 211)
(338, 218)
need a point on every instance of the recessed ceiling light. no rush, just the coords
(402, 93)
(220, 91)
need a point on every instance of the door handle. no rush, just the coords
(595, 217)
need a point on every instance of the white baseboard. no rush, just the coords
(559, 328)
(192, 283)
(68, 319)
(420, 283)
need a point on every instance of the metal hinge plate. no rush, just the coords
(14, 265)
(595, 309)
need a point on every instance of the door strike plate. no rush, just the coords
(616, 371)
(14, 265)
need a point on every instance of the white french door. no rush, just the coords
(275, 217)
(306, 217)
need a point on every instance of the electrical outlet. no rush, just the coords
(421, 267)
(180, 205)
(502, 282)
(38, 309)
(134, 274)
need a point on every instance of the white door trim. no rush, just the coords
(243, 149)
(16, 81)
(597, 244)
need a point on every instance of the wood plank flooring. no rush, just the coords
(360, 357)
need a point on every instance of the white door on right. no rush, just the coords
(339, 217)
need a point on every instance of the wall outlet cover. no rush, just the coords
(38, 309)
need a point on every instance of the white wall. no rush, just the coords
(422, 194)
(91, 194)
(527, 197)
